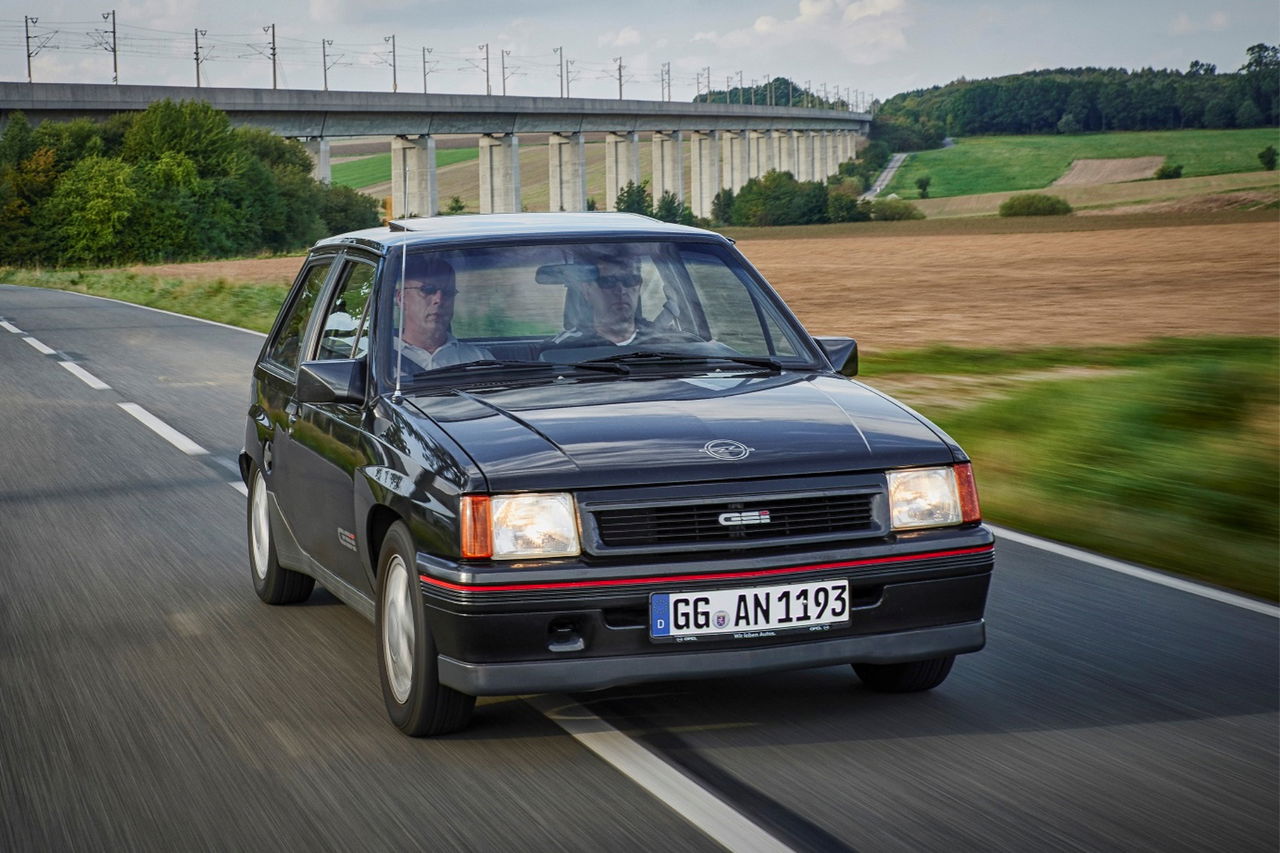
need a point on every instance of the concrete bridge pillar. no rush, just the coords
(804, 155)
(833, 152)
(621, 164)
(735, 158)
(500, 173)
(704, 180)
(568, 173)
(788, 149)
(818, 142)
(668, 165)
(413, 177)
(318, 148)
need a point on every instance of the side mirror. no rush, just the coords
(339, 380)
(842, 353)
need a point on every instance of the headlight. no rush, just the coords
(932, 497)
(511, 527)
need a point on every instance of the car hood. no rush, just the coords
(635, 431)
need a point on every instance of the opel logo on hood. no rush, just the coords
(723, 448)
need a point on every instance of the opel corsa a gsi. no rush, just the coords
(558, 452)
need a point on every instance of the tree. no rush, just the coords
(1069, 124)
(90, 210)
(722, 207)
(922, 184)
(195, 129)
(18, 143)
(1248, 115)
(455, 206)
(1267, 156)
(670, 209)
(635, 198)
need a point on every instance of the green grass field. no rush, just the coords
(1172, 464)
(984, 164)
(370, 171)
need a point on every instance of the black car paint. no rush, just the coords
(409, 454)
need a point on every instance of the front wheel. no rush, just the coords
(417, 703)
(911, 677)
(273, 583)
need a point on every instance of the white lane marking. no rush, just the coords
(85, 376)
(163, 430)
(241, 488)
(39, 347)
(1201, 590)
(9, 327)
(680, 793)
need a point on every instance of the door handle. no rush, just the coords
(292, 411)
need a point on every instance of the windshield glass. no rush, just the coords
(568, 304)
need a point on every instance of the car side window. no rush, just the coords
(345, 331)
(287, 346)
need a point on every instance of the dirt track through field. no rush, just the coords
(997, 290)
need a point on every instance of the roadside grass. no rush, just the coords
(986, 164)
(1174, 465)
(376, 169)
(250, 306)
(948, 360)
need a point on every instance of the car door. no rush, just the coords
(326, 440)
(275, 379)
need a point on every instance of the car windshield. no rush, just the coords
(674, 305)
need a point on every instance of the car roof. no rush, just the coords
(517, 226)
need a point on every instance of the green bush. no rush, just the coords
(1034, 204)
(844, 202)
(891, 209)
(1267, 157)
(1167, 171)
(635, 198)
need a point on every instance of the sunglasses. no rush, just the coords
(613, 282)
(433, 289)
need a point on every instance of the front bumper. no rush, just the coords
(548, 676)
(912, 600)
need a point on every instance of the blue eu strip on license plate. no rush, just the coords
(741, 611)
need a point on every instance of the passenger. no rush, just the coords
(426, 301)
(611, 301)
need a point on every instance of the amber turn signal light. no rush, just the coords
(477, 543)
(968, 489)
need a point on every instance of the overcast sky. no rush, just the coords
(879, 47)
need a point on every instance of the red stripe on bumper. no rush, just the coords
(761, 573)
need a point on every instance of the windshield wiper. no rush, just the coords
(499, 364)
(701, 358)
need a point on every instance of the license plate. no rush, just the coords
(755, 611)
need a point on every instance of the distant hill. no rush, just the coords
(1074, 100)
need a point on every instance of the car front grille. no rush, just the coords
(733, 523)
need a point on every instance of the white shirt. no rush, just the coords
(452, 351)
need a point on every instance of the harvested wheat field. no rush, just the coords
(1018, 290)
(1026, 290)
(1109, 171)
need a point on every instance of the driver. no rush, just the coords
(426, 302)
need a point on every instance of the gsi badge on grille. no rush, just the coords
(749, 517)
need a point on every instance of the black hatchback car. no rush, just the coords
(563, 452)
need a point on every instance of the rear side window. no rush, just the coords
(287, 346)
(345, 331)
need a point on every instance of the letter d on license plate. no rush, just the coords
(736, 611)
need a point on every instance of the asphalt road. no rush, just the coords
(148, 701)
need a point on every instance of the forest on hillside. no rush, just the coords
(1078, 100)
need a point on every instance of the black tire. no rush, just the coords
(273, 583)
(911, 677)
(417, 703)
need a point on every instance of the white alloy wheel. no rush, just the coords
(260, 527)
(397, 629)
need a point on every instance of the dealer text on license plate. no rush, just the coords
(673, 615)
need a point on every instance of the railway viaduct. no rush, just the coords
(727, 144)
